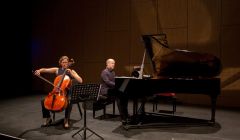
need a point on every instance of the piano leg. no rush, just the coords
(213, 107)
(135, 106)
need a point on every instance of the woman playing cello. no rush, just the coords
(62, 70)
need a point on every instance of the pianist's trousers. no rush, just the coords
(122, 102)
(46, 113)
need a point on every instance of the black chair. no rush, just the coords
(102, 103)
(86, 93)
(164, 97)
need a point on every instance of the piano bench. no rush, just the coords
(165, 97)
(101, 105)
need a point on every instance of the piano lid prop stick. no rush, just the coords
(142, 66)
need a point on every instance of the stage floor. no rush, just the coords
(21, 118)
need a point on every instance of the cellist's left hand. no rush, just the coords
(75, 75)
(69, 71)
(72, 72)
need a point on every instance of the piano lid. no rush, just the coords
(169, 62)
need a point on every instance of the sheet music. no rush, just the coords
(127, 77)
(125, 82)
(124, 85)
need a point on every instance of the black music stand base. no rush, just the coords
(85, 128)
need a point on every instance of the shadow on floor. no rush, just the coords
(109, 117)
(167, 123)
(55, 128)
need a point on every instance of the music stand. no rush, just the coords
(86, 92)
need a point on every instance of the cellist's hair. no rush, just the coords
(62, 58)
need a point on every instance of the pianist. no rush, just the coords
(108, 89)
(108, 79)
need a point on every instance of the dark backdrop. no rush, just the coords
(15, 49)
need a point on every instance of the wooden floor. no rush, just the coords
(21, 118)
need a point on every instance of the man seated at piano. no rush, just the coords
(107, 79)
(108, 89)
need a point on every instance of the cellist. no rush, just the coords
(63, 66)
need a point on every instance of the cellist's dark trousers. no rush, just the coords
(46, 113)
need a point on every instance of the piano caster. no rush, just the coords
(126, 127)
(211, 123)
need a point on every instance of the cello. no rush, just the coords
(56, 100)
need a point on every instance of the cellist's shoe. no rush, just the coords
(47, 122)
(66, 124)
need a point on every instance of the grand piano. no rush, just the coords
(178, 71)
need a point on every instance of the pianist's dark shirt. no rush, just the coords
(107, 81)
